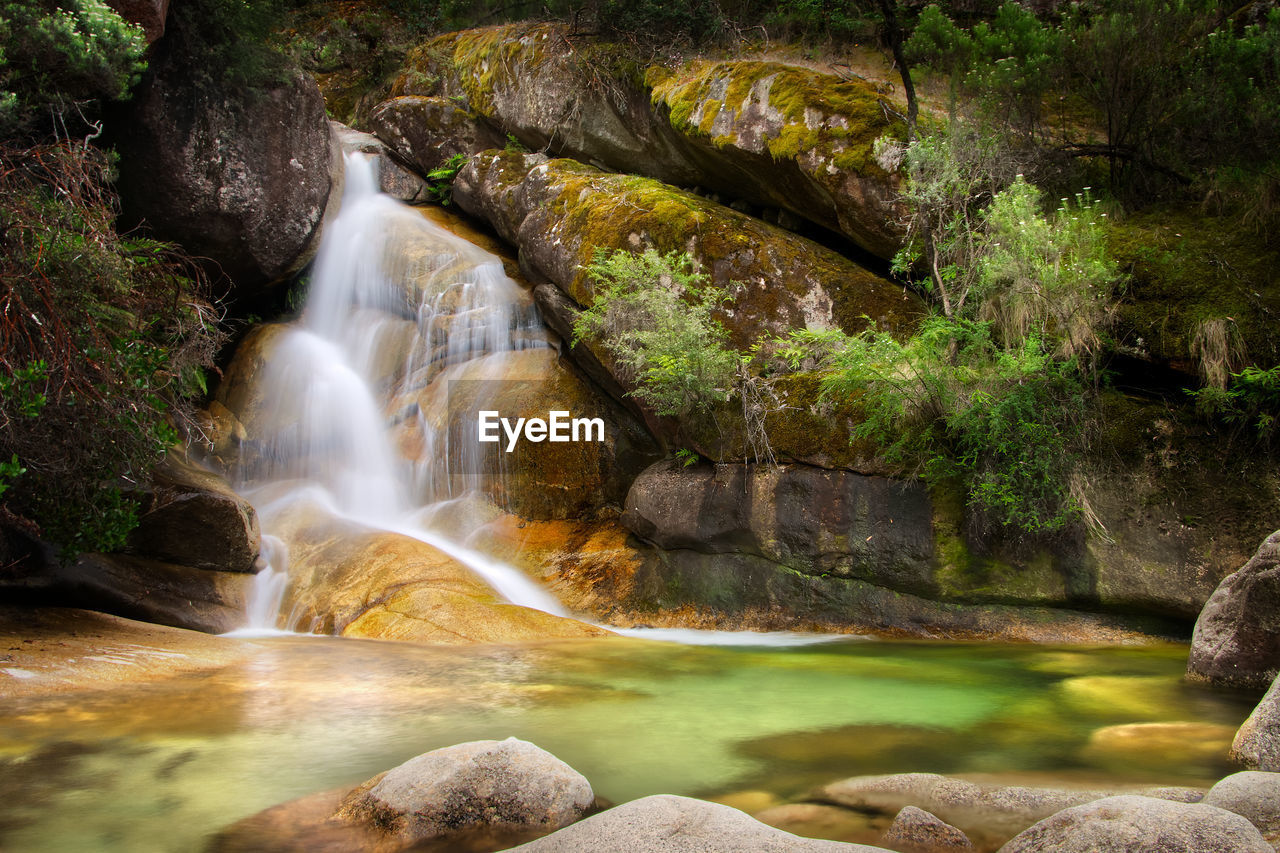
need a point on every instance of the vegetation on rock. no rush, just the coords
(103, 336)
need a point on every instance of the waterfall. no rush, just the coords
(396, 302)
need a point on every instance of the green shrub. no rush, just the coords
(102, 340)
(56, 59)
(654, 314)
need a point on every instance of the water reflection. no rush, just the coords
(162, 766)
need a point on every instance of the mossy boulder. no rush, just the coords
(801, 140)
(773, 135)
(1187, 268)
(561, 213)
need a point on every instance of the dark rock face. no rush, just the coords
(242, 178)
(1129, 823)
(192, 518)
(152, 591)
(812, 520)
(425, 132)
(1237, 637)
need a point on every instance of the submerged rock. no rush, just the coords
(352, 581)
(1237, 637)
(508, 786)
(669, 824)
(916, 831)
(1133, 824)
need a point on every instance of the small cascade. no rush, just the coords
(267, 592)
(358, 427)
(398, 306)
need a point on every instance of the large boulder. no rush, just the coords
(778, 136)
(1133, 824)
(154, 591)
(561, 212)
(348, 580)
(669, 824)
(242, 177)
(393, 179)
(426, 132)
(1257, 743)
(536, 480)
(510, 787)
(1252, 794)
(811, 520)
(1237, 637)
(988, 814)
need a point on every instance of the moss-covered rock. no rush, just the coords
(775, 135)
(1187, 268)
(561, 213)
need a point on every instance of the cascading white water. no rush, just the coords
(396, 305)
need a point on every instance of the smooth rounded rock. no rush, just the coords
(1237, 637)
(1132, 824)
(506, 785)
(1252, 794)
(917, 831)
(669, 824)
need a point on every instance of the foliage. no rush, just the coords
(951, 177)
(1186, 94)
(1251, 399)
(102, 339)
(228, 43)
(1046, 277)
(1008, 63)
(953, 403)
(440, 179)
(57, 59)
(654, 314)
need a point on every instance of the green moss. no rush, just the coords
(1186, 268)
(833, 120)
